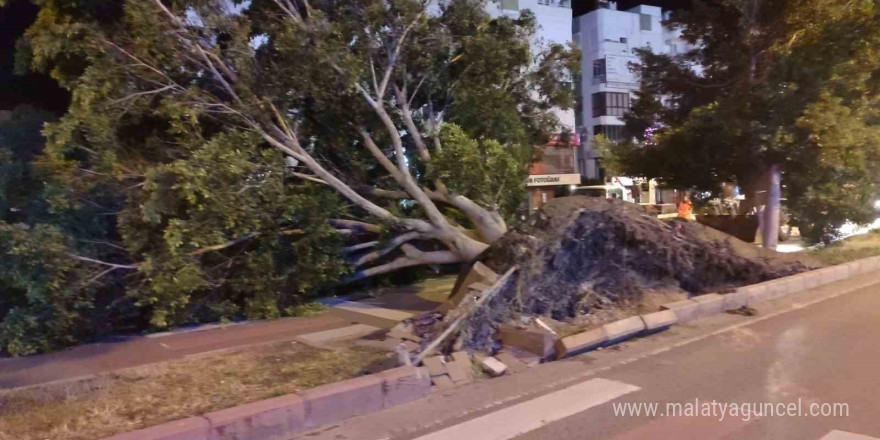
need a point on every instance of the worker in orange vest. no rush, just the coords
(686, 208)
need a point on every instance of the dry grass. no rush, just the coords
(850, 249)
(144, 396)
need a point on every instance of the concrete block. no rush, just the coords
(623, 329)
(685, 310)
(460, 372)
(435, 365)
(526, 357)
(870, 264)
(755, 294)
(581, 342)
(443, 382)
(834, 273)
(493, 367)
(405, 384)
(855, 267)
(461, 356)
(735, 300)
(515, 365)
(193, 428)
(794, 284)
(371, 314)
(340, 400)
(659, 321)
(533, 339)
(812, 279)
(709, 304)
(774, 289)
(264, 419)
(321, 339)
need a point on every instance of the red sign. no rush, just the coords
(574, 140)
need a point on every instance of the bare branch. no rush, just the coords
(403, 104)
(355, 226)
(393, 244)
(411, 257)
(104, 263)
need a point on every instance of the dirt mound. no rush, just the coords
(580, 255)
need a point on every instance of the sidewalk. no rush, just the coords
(104, 357)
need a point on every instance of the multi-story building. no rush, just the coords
(607, 38)
(556, 171)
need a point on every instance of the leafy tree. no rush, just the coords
(353, 94)
(788, 84)
(225, 159)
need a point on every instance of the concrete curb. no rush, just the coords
(682, 312)
(330, 403)
(279, 417)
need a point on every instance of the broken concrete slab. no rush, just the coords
(435, 365)
(493, 367)
(443, 382)
(387, 344)
(322, 339)
(460, 356)
(526, 357)
(460, 372)
(581, 342)
(515, 365)
(623, 329)
(533, 339)
(370, 314)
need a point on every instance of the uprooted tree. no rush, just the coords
(241, 147)
(346, 91)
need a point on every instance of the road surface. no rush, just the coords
(816, 347)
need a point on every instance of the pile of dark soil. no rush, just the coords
(580, 255)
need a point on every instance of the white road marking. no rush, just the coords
(841, 435)
(519, 419)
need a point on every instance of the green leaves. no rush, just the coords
(488, 172)
(803, 95)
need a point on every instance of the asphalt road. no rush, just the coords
(816, 347)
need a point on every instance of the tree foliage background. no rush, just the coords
(793, 83)
(232, 159)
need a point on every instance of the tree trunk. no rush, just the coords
(770, 225)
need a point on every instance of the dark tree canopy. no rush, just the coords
(794, 83)
(243, 156)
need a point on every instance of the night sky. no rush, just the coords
(42, 91)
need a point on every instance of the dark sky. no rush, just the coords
(38, 90)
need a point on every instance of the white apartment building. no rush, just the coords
(606, 38)
(554, 26)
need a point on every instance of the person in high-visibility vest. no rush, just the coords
(686, 208)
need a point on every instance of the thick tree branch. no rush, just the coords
(393, 244)
(411, 257)
(411, 128)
